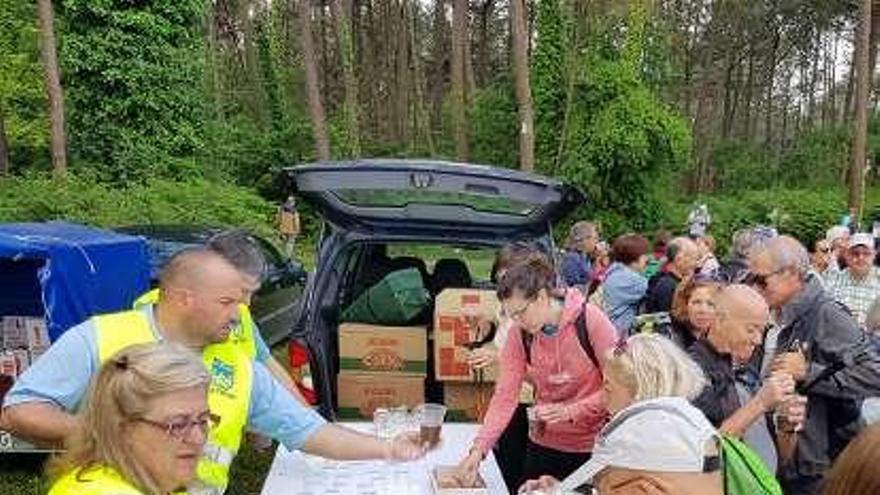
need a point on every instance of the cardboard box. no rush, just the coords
(361, 393)
(8, 365)
(374, 348)
(26, 332)
(37, 336)
(457, 313)
(467, 402)
(14, 332)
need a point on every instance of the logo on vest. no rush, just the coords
(222, 377)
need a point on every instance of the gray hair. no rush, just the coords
(787, 253)
(652, 366)
(750, 239)
(241, 250)
(580, 231)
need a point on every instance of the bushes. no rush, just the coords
(39, 197)
(801, 213)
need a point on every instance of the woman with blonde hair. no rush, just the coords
(656, 441)
(144, 425)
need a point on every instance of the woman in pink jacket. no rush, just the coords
(544, 348)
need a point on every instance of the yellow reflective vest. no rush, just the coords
(228, 395)
(96, 481)
(242, 334)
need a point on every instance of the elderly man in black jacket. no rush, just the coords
(821, 346)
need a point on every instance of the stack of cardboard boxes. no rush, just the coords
(384, 366)
(22, 340)
(457, 328)
(380, 366)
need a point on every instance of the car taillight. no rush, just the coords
(299, 357)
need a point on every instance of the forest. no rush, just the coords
(133, 111)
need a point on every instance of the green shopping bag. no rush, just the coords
(744, 471)
(394, 300)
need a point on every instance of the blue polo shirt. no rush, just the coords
(62, 376)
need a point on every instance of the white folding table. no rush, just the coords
(296, 473)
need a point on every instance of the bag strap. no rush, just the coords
(583, 335)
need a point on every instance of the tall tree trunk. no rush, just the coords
(459, 40)
(346, 51)
(860, 134)
(749, 93)
(439, 65)
(846, 111)
(484, 44)
(875, 35)
(313, 91)
(523, 88)
(53, 85)
(771, 80)
(4, 147)
(420, 112)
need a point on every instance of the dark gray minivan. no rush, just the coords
(384, 215)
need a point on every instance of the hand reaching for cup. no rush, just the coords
(468, 468)
(553, 413)
(793, 363)
(482, 357)
(775, 389)
(406, 447)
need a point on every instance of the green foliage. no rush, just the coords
(548, 79)
(494, 124)
(740, 165)
(622, 140)
(133, 75)
(22, 94)
(802, 213)
(81, 198)
(820, 157)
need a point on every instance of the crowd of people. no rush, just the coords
(623, 368)
(640, 367)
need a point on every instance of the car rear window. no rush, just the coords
(379, 198)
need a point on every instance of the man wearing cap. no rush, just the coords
(858, 285)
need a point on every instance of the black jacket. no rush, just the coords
(833, 337)
(661, 289)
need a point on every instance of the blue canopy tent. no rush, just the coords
(67, 272)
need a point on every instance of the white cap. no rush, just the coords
(836, 232)
(666, 434)
(861, 239)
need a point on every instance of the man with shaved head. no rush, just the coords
(198, 306)
(821, 346)
(682, 255)
(741, 316)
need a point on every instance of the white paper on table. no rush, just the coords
(296, 473)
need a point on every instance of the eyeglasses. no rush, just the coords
(824, 250)
(760, 280)
(517, 314)
(180, 429)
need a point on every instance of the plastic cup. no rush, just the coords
(430, 423)
(536, 425)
